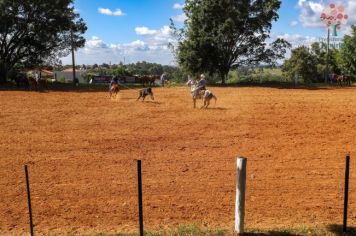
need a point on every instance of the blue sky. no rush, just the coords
(137, 30)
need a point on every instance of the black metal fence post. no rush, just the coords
(29, 199)
(139, 177)
(346, 193)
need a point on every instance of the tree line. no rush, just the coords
(217, 37)
(135, 69)
(310, 63)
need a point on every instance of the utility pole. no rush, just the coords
(327, 57)
(73, 61)
(332, 16)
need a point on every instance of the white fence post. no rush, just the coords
(240, 195)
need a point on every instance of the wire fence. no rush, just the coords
(176, 192)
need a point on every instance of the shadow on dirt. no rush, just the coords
(152, 102)
(272, 233)
(332, 229)
(276, 85)
(338, 230)
(215, 108)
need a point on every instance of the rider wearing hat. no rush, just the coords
(201, 85)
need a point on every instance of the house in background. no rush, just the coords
(67, 76)
(45, 74)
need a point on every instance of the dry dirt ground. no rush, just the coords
(81, 150)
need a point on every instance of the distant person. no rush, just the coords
(163, 78)
(37, 76)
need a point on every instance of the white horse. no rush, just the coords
(206, 95)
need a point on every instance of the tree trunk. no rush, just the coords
(223, 79)
(223, 75)
(3, 73)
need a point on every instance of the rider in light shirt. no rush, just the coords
(201, 85)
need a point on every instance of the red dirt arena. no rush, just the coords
(81, 150)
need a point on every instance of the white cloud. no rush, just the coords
(144, 31)
(152, 48)
(293, 23)
(178, 6)
(153, 37)
(107, 11)
(179, 18)
(95, 42)
(296, 39)
(310, 11)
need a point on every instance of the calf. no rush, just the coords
(144, 92)
(207, 97)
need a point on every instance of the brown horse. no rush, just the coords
(153, 79)
(37, 85)
(114, 90)
(342, 79)
(148, 80)
(347, 80)
(337, 78)
(42, 84)
(33, 84)
(21, 80)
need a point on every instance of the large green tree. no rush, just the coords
(347, 57)
(302, 63)
(219, 35)
(319, 50)
(33, 31)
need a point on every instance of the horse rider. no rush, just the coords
(37, 76)
(114, 80)
(200, 85)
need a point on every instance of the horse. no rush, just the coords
(152, 79)
(114, 89)
(206, 95)
(148, 79)
(341, 79)
(39, 85)
(347, 80)
(42, 84)
(20, 79)
(145, 92)
(337, 78)
(33, 83)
